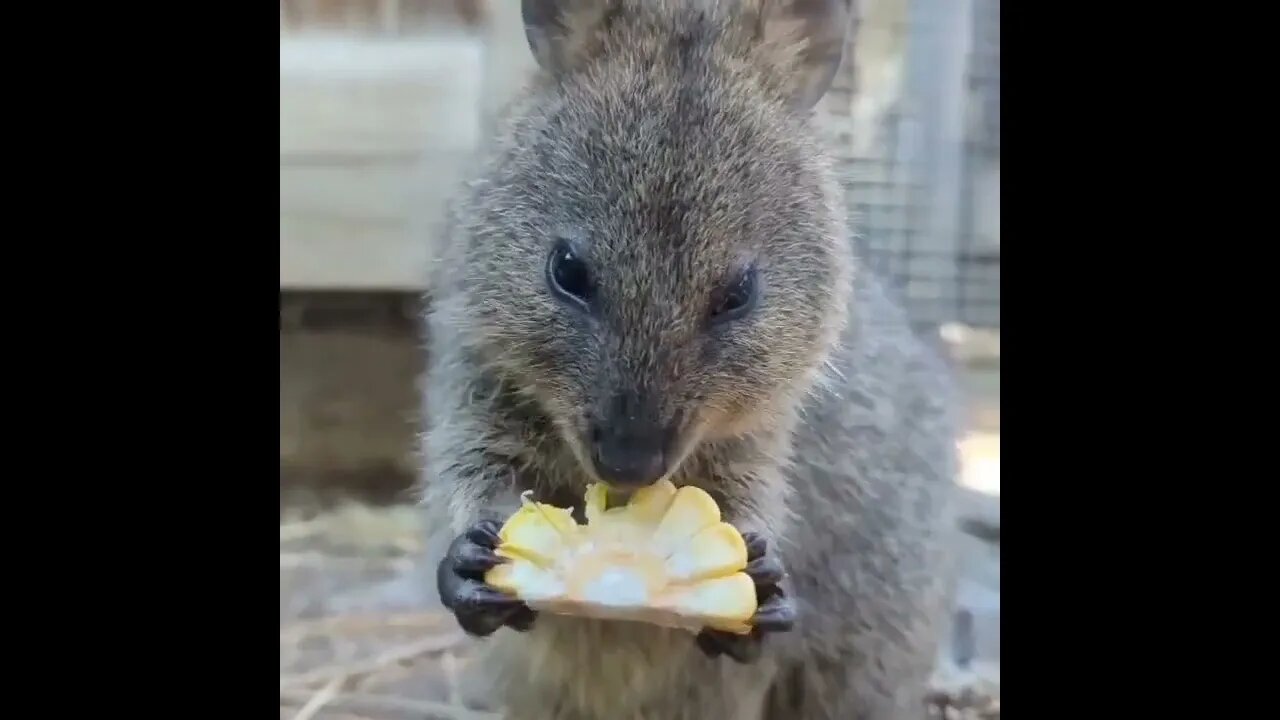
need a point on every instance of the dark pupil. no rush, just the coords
(570, 274)
(737, 296)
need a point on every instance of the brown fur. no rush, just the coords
(672, 139)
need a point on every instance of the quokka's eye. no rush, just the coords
(736, 299)
(568, 275)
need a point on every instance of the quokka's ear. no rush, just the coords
(562, 33)
(808, 38)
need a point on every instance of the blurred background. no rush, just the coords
(381, 104)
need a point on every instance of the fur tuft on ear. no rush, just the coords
(808, 36)
(560, 31)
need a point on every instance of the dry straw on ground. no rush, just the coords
(375, 665)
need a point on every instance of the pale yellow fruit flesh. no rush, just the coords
(539, 533)
(664, 558)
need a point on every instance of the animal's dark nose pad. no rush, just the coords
(628, 459)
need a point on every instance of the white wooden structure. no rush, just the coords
(376, 126)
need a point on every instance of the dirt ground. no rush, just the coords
(379, 661)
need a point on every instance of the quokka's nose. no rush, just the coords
(629, 457)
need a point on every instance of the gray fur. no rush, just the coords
(670, 139)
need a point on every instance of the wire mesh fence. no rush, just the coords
(919, 141)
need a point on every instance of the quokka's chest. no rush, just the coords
(583, 660)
